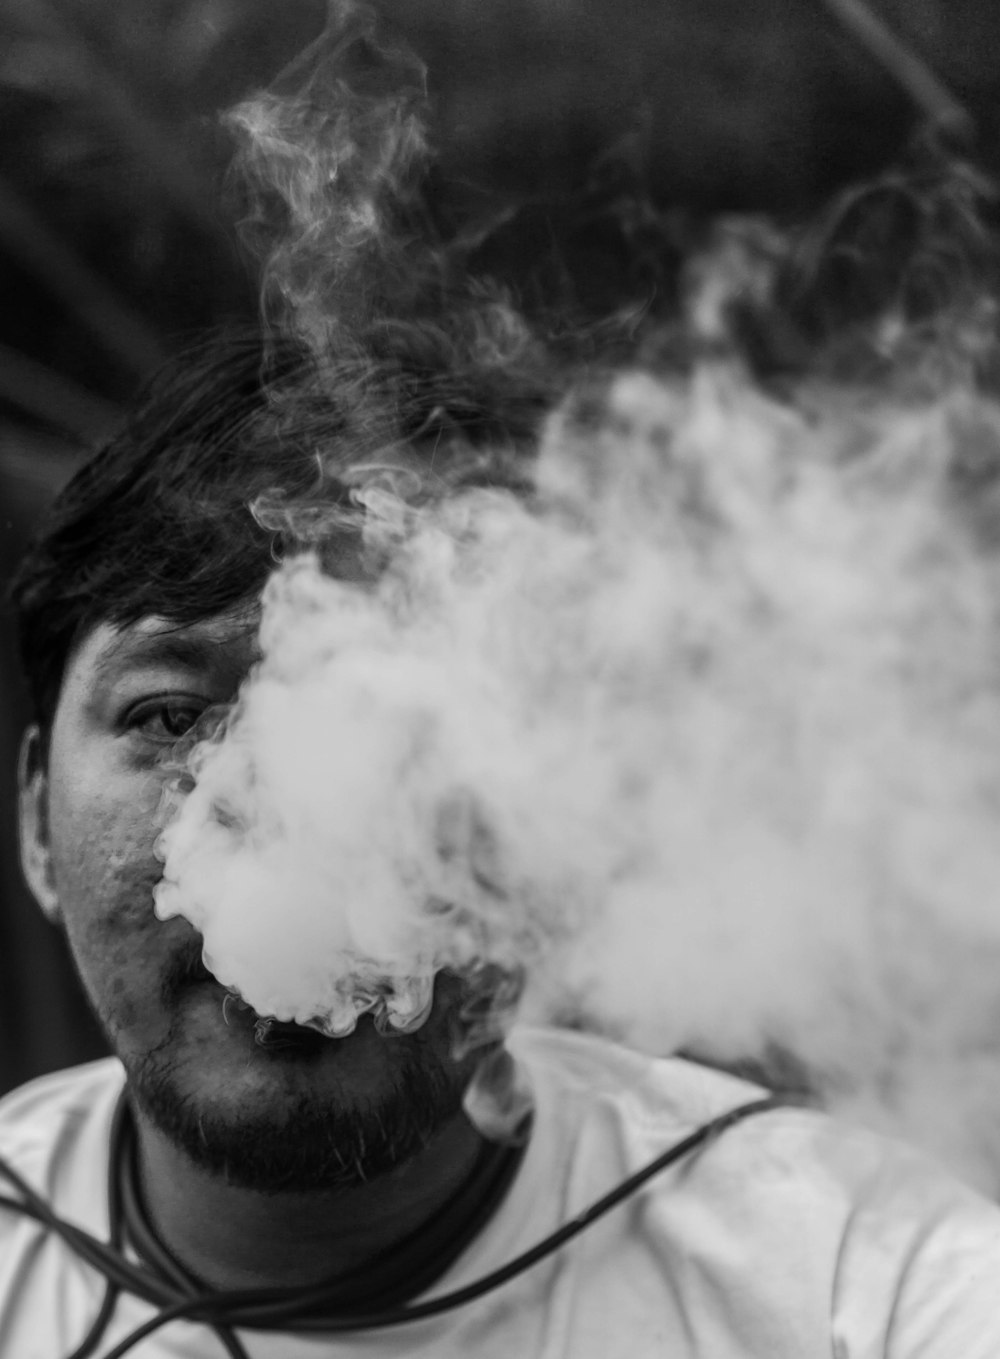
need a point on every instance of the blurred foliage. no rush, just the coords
(113, 234)
(115, 238)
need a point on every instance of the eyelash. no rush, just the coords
(139, 718)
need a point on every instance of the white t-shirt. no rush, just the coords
(788, 1237)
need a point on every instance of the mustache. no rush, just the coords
(185, 968)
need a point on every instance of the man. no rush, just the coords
(342, 1176)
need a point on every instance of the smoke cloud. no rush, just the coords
(695, 740)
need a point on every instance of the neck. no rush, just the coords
(235, 1238)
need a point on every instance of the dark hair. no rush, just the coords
(161, 521)
(156, 523)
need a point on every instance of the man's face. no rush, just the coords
(298, 1116)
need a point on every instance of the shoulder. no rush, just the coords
(843, 1166)
(54, 1137)
(50, 1101)
(787, 1212)
(51, 1125)
(665, 1093)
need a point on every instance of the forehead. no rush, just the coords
(224, 646)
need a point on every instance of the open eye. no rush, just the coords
(165, 718)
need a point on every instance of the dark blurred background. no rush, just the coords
(117, 245)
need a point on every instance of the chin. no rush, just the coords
(300, 1112)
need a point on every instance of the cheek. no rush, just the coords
(105, 869)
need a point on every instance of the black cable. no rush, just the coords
(100, 1324)
(106, 1258)
(124, 1199)
(103, 1256)
(277, 1309)
(112, 1290)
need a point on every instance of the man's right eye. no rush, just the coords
(164, 720)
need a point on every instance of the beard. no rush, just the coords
(311, 1139)
(311, 1143)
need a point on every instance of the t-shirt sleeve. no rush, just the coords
(918, 1275)
(948, 1299)
(818, 1237)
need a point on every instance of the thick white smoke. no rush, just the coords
(704, 738)
(698, 743)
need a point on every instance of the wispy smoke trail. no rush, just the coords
(328, 173)
(697, 741)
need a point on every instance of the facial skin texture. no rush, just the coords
(325, 1116)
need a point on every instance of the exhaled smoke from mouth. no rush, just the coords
(697, 742)
(706, 739)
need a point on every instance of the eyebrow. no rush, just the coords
(182, 648)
